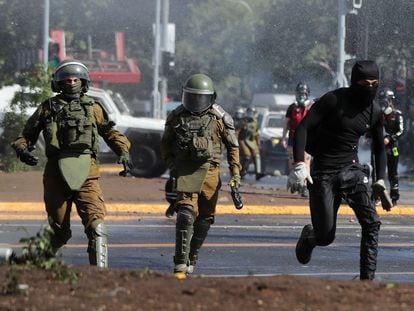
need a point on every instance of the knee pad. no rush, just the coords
(97, 230)
(185, 217)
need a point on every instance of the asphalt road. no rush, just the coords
(240, 245)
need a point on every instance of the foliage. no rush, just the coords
(37, 89)
(39, 252)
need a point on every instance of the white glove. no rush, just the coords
(298, 177)
(379, 191)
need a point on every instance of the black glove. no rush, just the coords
(380, 192)
(27, 157)
(125, 160)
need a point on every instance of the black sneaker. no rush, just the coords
(367, 275)
(305, 245)
(260, 176)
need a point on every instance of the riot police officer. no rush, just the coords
(394, 128)
(249, 140)
(71, 123)
(192, 146)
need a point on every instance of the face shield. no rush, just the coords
(197, 103)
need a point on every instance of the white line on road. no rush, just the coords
(356, 274)
(258, 227)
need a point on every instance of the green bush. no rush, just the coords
(36, 90)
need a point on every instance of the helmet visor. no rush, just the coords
(71, 70)
(197, 103)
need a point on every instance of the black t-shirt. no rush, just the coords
(332, 128)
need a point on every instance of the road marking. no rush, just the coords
(157, 208)
(218, 245)
(356, 274)
(249, 227)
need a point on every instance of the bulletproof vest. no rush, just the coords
(70, 127)
(195, 138)
(249, 129)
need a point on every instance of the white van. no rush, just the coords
(273, 101)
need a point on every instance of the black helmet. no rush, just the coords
(198, 93)
(386, 99)
(302, 92)
(70, 68)
(239, 113)
(386, 93)
(251, 112)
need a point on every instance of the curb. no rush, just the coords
(157, 208)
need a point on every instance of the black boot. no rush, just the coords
(201, 227)
(305, 245)
(395, 195)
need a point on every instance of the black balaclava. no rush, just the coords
(71, 91)
(364, 70)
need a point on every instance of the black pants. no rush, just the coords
(325, 196)
(392, 171)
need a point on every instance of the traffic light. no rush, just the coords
(351, 33)
(168, 63)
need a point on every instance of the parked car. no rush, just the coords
(144, 133)
(274, 156)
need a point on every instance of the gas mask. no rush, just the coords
(387, 110)
(301, 99)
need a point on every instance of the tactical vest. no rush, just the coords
(195, 139)
(70, 127)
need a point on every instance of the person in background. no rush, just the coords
(191, 146)
(330, 133)
(71, 123)
(294, 115)
(394, 128)
(249, 141)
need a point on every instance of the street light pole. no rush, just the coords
(46, 34)
(340, 79)
(164, 43)
(155, 93)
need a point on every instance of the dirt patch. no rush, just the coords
(114, 289)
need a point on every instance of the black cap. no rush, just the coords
(363, 70)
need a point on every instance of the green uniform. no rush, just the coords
(249, 141)
(192, 147)
(70, 130)
(249, 138)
